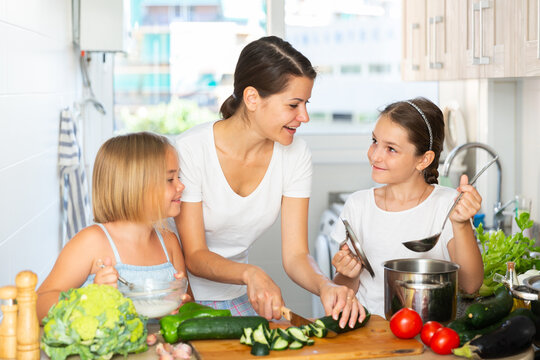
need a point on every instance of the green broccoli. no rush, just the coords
(95, 322)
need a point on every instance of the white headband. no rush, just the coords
(425, 120)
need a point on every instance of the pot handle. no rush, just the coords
(422, 286)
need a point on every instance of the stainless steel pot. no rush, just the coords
(427, 286)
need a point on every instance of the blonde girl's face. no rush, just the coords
(174, 188)
(280, 115)
(392, 156)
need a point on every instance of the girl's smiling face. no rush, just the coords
(279, 115)
(174, 188)
(392, 156)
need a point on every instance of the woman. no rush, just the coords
(242, 171)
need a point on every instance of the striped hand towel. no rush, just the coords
(73, 183)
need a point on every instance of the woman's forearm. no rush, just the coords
(211, 266)
(304, 271)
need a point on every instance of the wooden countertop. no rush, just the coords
(377, 324)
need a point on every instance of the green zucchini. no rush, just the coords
(279, 343)
(487, 312)
(259, 335)
(318, 330)
(219, 327)
(467, 334)
(296, 345)
(297, 334)
(285, 335)
(331, 324)
(259, 349)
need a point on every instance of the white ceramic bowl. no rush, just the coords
(155, 299)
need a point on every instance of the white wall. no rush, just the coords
(528, 144)
(38, 77)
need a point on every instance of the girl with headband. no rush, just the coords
(404, 156)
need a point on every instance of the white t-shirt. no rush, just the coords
(381, 234)
(232, 222)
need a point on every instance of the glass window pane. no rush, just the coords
(356, 47)
(180, 62)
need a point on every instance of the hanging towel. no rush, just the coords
(73, 183)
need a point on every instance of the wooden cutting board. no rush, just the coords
(373, 340)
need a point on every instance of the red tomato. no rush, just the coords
(406, 323)
(428, 330)
(444, 340)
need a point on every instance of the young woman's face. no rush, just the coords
(174, 188)
(281, 114)
(392, 156)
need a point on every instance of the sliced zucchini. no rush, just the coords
(259, 349)
(259, 335)
(284, 335)
(248, 336)
(310, 342)
(243, 339)
(296, 345)
(297, 334)
(279, 343)
(318, 331)
(306, 329)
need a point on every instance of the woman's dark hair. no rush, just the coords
(266, 64)
(406, 115)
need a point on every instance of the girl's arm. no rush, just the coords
(463, 248)
(74, 264)
(302, 268)
(263, 293)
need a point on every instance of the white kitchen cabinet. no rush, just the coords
(413, 66)
(464, 39)
(528, 14)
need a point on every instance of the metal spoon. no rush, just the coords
(130, 285)
(428, 243)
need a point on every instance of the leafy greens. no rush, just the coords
(497, 249)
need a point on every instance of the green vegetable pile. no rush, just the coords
(95, 322)
(497, 249)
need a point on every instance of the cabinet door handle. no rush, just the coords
(432, 45)
(479, 6)
(414, 26)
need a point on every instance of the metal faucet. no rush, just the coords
(498, 208)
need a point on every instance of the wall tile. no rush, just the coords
(3, 57)
(27, 188)
(7, 250)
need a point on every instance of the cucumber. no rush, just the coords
(487, 312)
(219, 327)
(259, 335)
(259, 349)
(331, 324)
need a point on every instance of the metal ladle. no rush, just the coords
(428, 243)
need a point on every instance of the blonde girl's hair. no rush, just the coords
(129, 178)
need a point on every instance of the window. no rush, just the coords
(356, 47)
(179, 65)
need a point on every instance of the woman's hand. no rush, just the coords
(346, 263)
(338, 299)
(106, 273)
(263, 293)
(468, 205)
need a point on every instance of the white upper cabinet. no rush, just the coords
(470, 39)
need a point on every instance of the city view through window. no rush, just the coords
(182, 53)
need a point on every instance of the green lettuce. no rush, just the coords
(94, 322)
(498, 249)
